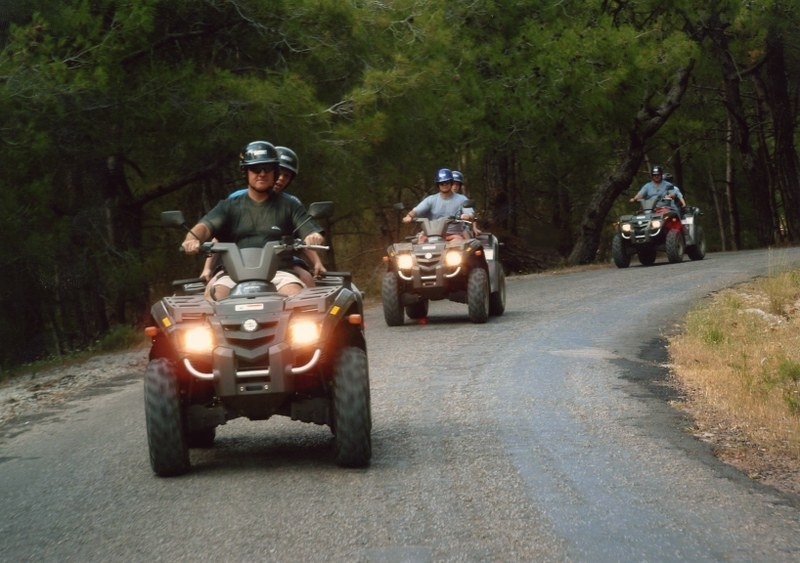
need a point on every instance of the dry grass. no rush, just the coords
(738, 363)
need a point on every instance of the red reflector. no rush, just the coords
(354, 319)
(151, 331)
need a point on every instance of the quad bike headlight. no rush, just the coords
(198, 340)
(304, 333)
(626, 227)
(453, 258)
(405, 261)
(655, 224)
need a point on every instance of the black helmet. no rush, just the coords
(458, 177)
(667, 177)
(258, 152)
(656, 171)
(287, 158)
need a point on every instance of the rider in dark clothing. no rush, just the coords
(260, 216)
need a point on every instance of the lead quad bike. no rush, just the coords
(257, 353)
(658, 227)
(463, 271)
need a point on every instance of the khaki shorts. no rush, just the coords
(280, 280)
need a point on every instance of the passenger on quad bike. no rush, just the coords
(458, 183)
(660, 187)
(459, 187)
(445, 203)
(289, 166)
(252, 220)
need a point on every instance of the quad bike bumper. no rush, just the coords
(279, 375)
(436, 276)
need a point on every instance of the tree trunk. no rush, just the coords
(740, 133)
(785, 164)
(718, 211)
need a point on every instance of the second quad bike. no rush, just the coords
(464, 271)
(257, 353)
(658, 227)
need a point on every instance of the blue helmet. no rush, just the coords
(458, 177)
(444, 175)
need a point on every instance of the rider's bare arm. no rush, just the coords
(199, 234)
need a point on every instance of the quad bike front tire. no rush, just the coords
(390, 295)
(166, 439)
(478, 295)
(619, 253)
(698, 250)
(675, 246)
(497, 299)
(352, 417)
(418, 310)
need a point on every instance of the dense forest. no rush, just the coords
(113, 111)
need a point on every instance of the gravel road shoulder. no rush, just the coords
(28, 395)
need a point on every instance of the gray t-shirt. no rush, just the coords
(436, 207)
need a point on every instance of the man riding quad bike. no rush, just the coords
(463, 270)
(257, 353)
(659, 226)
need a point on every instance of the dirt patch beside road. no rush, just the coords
(28, 394)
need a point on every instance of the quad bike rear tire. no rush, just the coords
(698, 250)
(647, 255)
(497, 299)
(352, 418)
(675, 246)
(390, 295)
(203, 438)
(478, 295)
(418, 310)
(619, 253)
(166, 438)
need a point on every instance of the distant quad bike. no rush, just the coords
(658, 227)
(257, 354)
(464, 271)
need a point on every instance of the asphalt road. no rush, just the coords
(543, 435)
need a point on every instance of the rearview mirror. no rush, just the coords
(321, 209)
(172, 219)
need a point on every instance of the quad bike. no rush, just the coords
(256, 354)
(464, 271)
(658, 226)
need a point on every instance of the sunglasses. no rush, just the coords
(259, 168)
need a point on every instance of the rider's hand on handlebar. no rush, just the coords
(191, 245)
(315, 239)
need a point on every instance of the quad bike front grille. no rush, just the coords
(264, 335)
(251, 346)
(427, 262)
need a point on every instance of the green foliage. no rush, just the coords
(121, 337)
(114, 110)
